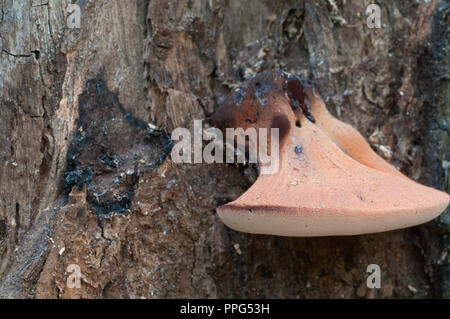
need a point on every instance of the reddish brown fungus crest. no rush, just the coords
(293, 86)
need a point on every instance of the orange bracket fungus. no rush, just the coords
(329, 181)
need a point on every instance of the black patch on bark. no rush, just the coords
(109, 150)
(3, 229)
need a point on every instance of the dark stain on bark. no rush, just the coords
(3, 229)
(109, 150)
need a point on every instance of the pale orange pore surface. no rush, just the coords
(347, 138)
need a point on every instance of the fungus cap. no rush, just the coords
(329, 182)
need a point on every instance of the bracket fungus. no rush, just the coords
(329, 181)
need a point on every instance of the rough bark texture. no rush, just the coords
(83, 180)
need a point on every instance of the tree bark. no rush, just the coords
(85, 181)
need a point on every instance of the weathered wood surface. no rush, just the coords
(75, 103)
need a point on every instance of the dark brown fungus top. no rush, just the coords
(254, 103)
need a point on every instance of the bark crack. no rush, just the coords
(16, 55)
(40, 5)
(50, 30)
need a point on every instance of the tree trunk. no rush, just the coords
(87, 184)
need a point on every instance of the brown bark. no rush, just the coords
(75, 105)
